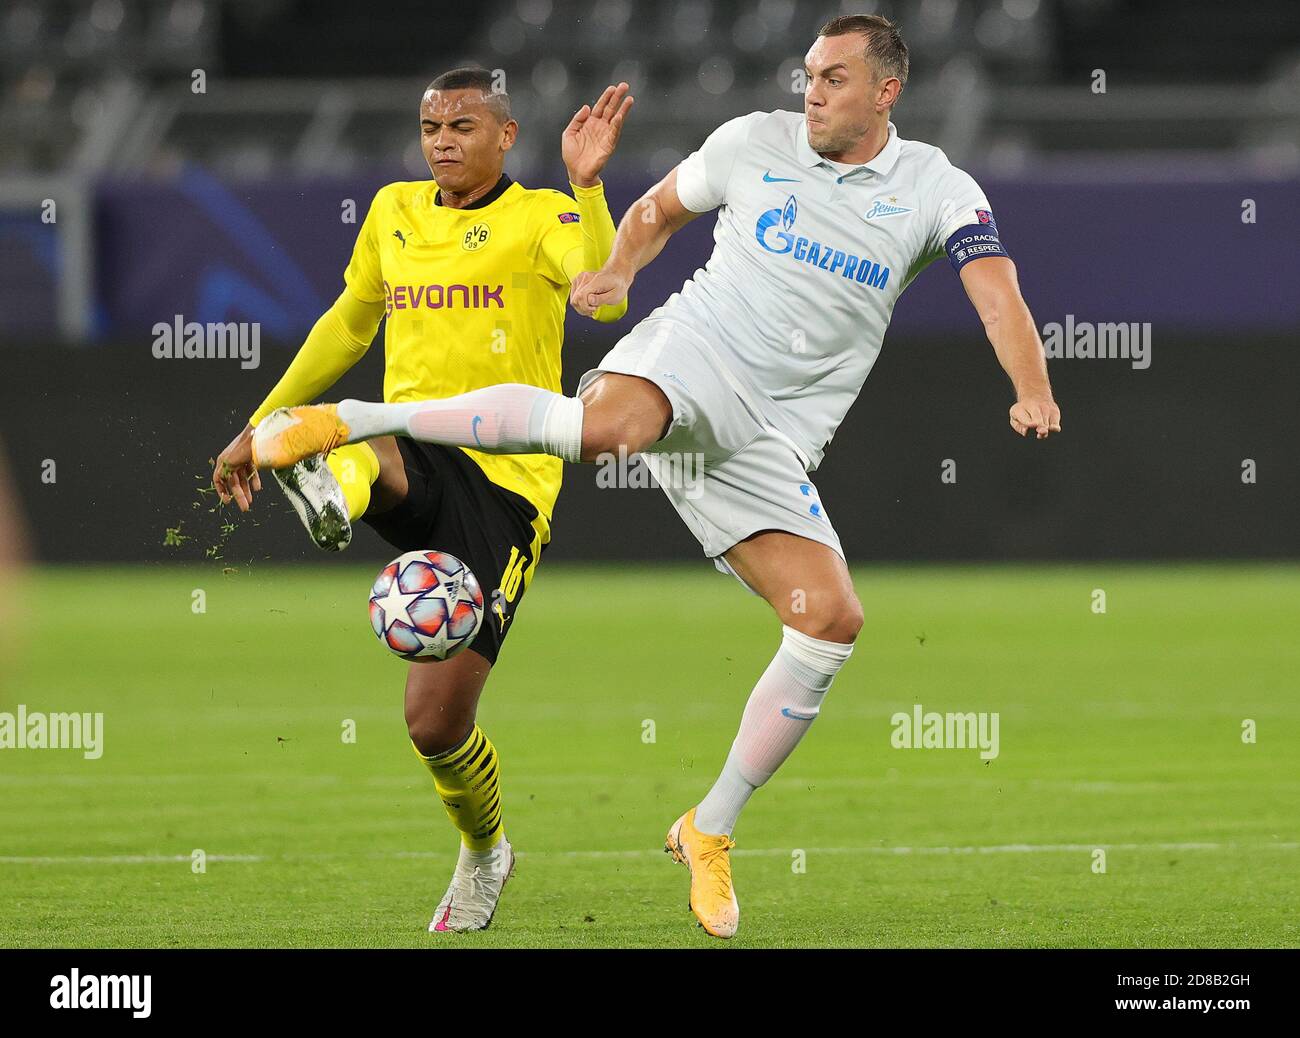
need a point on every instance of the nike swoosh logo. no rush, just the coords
(473, 427)
(769, 179)
(795, 715)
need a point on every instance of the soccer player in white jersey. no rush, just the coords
(823, 218)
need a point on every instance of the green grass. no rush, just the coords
(1119, 731)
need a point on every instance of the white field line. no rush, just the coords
(748, 852)
(420, 781)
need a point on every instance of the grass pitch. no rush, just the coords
(223, 732)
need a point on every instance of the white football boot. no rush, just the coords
(311, 488)
(475, 889)
(308, 483)
(318, 499)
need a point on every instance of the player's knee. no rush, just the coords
(832, 618)
(851, 620)
(604, 432)
(623, 412)
(600, 435)
(433, 733)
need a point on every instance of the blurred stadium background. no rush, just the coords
(1122, 206)
(1171, 199)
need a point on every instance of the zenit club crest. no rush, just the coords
(880, 209)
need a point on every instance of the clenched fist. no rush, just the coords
(592, 290)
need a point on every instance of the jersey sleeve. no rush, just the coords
(960, 201)
(577, 236)
(704, 174)
(559, 231)
(963, 226)
(364, 275)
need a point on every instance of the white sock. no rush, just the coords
(471, 858)
(781, 708)
(505, 419)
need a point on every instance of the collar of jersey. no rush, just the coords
(482, 203)
(880, 165)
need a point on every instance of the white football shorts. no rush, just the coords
(728, 473)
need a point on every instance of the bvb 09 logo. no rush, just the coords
(476, 237)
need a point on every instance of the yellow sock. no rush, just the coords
(356, 467)
(468, 778)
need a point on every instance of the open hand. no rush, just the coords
(592, 134)
(1038, 412)
(234, 475)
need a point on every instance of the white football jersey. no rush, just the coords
(809, 260)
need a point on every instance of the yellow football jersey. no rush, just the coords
(474, 297)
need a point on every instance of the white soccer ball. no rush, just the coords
(426, 605)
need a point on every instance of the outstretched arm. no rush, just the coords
(697, 185)
(995, 293)
(645, 229)
(586, 145)
(338, 340)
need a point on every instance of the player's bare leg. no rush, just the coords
(441, 704)
(808, 585)
(622, 411)
(390, 487)
(442, 701)
(804, 581)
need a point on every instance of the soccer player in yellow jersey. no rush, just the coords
(473, 273)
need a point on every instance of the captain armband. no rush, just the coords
(974, 241)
